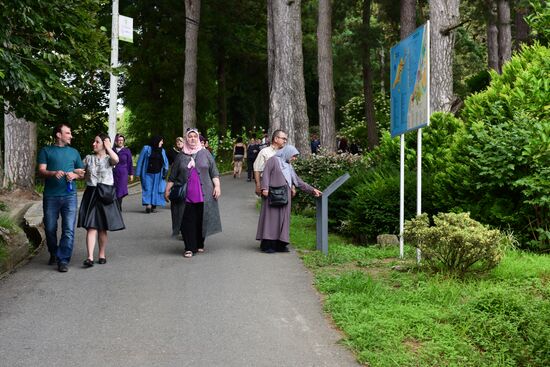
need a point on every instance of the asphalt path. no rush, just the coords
(150, 306)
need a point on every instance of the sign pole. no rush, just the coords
(402, 196)
(419, 183)
(113, 92)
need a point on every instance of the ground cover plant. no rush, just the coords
(393, 314)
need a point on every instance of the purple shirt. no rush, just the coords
(194, 188)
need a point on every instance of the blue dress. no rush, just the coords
(152, 184)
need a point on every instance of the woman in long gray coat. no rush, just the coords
(196, 216)
(274, 223)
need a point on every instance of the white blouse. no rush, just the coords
(98, 170)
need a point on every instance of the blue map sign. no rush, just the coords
(410, 82)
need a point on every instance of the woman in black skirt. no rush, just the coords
(99, 211)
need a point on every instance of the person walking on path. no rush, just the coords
(278, 140)
(151, 167)
(60, 165)
(196, 215)
(99, 211)
(123, 170)
(274, 222)
(251, 153)
(175, 150)
(239, 153)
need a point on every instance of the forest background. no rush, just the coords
(54, 67)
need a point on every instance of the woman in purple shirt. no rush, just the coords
(123, 170)
(197, 216)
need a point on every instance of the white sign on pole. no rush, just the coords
(125, 29)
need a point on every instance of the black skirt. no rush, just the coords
(95, 214)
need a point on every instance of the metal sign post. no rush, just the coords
(322, 212)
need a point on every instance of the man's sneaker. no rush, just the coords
(52, 260)
(63, 268)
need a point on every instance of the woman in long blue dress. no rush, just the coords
(152, 167)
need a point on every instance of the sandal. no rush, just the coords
(188, 254)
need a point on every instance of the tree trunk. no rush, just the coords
(192, 14)
(492, 36)
(287, 99)
(222, 100)
(20, 152)
(370, 118)
(326, 84)
(443, 15)
(504, 32)
(522, 28)
(408, 18)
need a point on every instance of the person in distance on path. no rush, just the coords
(123, 170)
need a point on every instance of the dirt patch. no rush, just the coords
(12, 198)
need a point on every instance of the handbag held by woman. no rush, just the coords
(278, 195)
(177, 193)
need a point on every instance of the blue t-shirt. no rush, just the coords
(57, 158)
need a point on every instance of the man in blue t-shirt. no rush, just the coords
(60, 164)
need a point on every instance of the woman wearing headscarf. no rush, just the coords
(197, 215)
(123, 169)
(274, 223)
(151, 167)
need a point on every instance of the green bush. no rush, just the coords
(456, 243)
(321, 170)
(374, 206)
(499, 164)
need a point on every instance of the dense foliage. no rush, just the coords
(498, 167)
(52, 59)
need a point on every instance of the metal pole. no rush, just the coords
(419, 183)
(113, 79)
(402, 197)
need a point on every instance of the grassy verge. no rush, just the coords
(412, 318)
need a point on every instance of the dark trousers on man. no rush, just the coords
(250, 169)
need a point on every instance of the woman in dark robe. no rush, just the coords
(151, 167)
(123, 169)
(274, 223)
(197, 215)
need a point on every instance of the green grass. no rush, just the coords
(413, 318)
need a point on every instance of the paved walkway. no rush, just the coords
(148, 306)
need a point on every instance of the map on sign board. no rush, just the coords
(410, 78)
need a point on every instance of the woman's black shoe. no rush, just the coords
(88, 263)
(102, 260)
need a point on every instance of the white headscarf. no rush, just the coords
(284, 154)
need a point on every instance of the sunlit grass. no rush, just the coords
(394, 314)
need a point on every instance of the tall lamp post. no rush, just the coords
(113, 92)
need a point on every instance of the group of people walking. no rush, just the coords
(192, 187)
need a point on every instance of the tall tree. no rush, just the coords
(407, 18)
(192, 21)
(288, 108)
(492, 35)
(504, 32)
(444, 16)
(372, 129)
(521, 26)
(325, 71)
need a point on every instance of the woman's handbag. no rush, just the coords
(177, 193)
(278, 195)
(106, 193)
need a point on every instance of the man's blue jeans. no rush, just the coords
(53, 206)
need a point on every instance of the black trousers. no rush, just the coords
(250, 168)
(191, 227)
